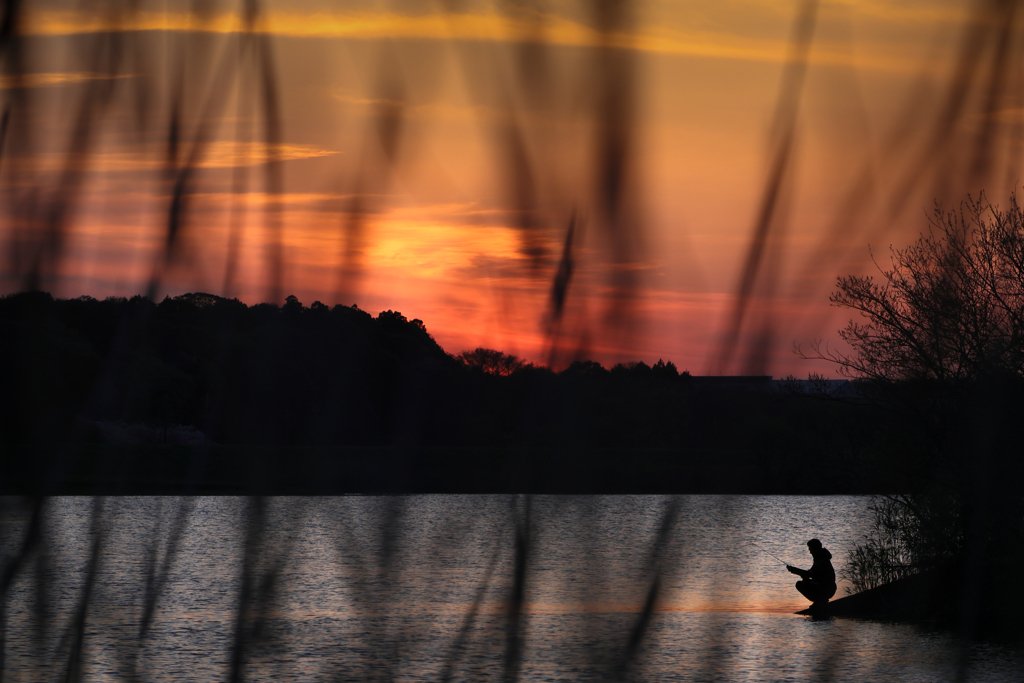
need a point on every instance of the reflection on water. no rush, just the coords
(421, 588)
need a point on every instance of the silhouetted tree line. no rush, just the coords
(377, 399)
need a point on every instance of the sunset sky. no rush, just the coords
(431, 156)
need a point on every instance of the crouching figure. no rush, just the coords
(818, 583)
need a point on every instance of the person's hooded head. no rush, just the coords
(816, 549)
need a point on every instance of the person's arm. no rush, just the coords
(802, 573)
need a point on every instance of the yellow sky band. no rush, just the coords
(482, 27)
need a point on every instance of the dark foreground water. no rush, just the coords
(434, 588)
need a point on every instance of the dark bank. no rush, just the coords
(204, 394)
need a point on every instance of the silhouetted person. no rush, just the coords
(819, 582)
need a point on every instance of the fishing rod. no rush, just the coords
(768, 553)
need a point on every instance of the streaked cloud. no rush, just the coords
(228, 154)
(52, 79)
(552, 30)
(219, 154)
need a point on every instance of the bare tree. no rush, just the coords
(951, 306)
(492, 362)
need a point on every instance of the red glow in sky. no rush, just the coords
(428, 158)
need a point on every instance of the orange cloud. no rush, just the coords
(552, 30)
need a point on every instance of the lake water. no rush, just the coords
(424, 588)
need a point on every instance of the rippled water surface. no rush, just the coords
(425, 588)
